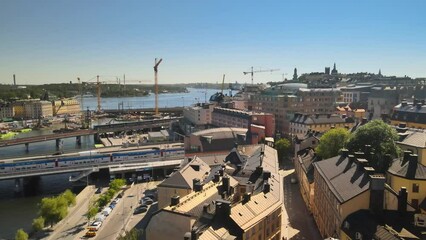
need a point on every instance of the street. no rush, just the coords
(298, 224)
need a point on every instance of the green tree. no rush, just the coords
(103, 200)
(38, 224)
(92, 210)
(331, 142)
(21, 235)
(70, 197)
(117, 183)
(381, 137)
(283, 147)
(53, 209)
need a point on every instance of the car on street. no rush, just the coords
(140, 209)
(147, 201)
(116, 200)
(99, 190)
(90, 234)
(95, 226)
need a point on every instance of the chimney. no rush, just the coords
(223, 209)
(175, 200)
(363, 121)
(402, 200)
(359, 154)
(225, 184)
(316, 115)
(344, 153)
(216, 178)
(266, 188)
(196, 185)
(266, 175)
(412, 166)
(377, 189)
(259, 169)
(246, 197)
(14, 80)
(189, 159)
(221, 172)
(406, 156)
(369, 170)
(194, 234)
(402, 127)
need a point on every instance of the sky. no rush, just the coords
(52, 41)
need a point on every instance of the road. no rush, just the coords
(75, 222)
(298, 223)
(122, 215)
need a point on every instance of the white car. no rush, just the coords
(95, 226)
(116, 200)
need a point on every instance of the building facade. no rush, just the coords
(66, 106)
(413, 114)
(225, 117)
(305, 123)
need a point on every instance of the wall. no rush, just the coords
(167, 225)
(397, 182)
(166, 193)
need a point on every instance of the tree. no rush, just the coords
(38, 224)
(21, 235)
(283, 147)
(116, 184)
(381, 137)
(53, 209)
(331, 142)
(70, 197)
(92, 210)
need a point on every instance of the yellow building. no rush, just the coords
(409, 173)
(343, 185)
(304, 123)
(66, 106)
(357, 114)
(19, 109)
(412, 114)
(303, 166)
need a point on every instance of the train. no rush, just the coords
(92, 158)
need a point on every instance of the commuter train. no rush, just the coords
(93, 158)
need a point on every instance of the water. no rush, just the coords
(194, 95)
(18, 212)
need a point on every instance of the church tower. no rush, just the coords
(334, 71)
(295, 74)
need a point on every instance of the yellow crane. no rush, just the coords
(156, 83)
(258, 71)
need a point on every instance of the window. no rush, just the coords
(416, 187)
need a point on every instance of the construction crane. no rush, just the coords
(258, 71)
(223, 83)
(156, 83)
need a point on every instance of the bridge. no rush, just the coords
(48, 137)
(116, 127)
(113, 167)
(119, 127)
(144, 110)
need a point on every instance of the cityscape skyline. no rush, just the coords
(50, 41)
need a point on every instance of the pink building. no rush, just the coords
(259, 124)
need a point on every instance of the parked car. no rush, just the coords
(95, 226)
(106, 211)
(112, 205)
(140, 209)
(151, 196)
(90, 234)
(116, 200)
(147, 201)
(99, 190)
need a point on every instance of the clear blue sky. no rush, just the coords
(58, 41)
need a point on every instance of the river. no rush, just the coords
(18, 211)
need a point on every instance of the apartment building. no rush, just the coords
(259, 124)
(285, 100)
(356, 93)
(215, 139)
(6, 111)
(413, 114)
(413, 140)
(381, 102)
(304, 123)
(197, 117)
(241, 199)
(345, 184)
